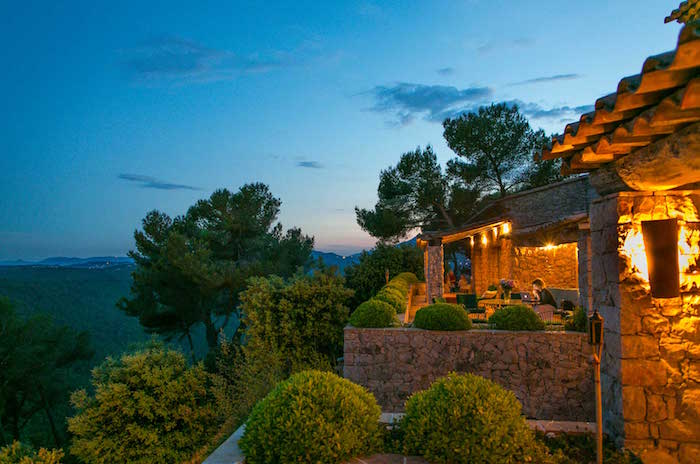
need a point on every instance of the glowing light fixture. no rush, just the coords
(495, 232)
(471, 240)
(549, 246)
(506, 228)
(661, 245)
(484, 240)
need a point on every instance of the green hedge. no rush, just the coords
(18, 453)
(469, 419)
(442, 316)
(312, 417)
(516, 318)
(373, 313)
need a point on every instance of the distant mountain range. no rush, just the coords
(104, 262)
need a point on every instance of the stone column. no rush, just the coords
(434, 269)
(585, 267)
(650, 374)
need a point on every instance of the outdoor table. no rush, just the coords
(492, 304)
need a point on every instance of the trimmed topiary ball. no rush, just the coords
(408, 277)
(394, 297)
(468, 419)
(442, 316)
(516, 318)
(373, 313)
(312, 417)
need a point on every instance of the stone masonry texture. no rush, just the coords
(651, 357)
(549, 372)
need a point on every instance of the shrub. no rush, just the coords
(442, 316)
(17, 453)
(148, 407)
(579, 321)
(312, 417)
(516, 318)
(408, 277)
(368, 276)
(394, 297)
(373, 313)
(468, 419)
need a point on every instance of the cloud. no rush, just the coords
(448, 71)
(496, 44)
(177, 60)
(407, 100)
(310, 164)
(554, 78)
(153, 183)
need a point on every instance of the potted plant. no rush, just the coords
(507, 286)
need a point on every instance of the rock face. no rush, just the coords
(549, 372)
(650, 373)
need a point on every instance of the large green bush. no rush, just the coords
(468, 419)
(17, 453)
(516, 318)
(373, 313)
(312, 417)
(148, 407)
(442, 316)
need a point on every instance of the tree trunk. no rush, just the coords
(189, 339)
(212, 336)
(444, 214)
(52, 424)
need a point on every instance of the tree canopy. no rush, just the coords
(416, 193)
(496, 150)
(497, 145)
(191, 269)
(36, 358)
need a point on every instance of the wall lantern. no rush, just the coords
(595, 338)
(495, 232)
(661, 245)
(484, 240)
(471, 241)
(595, 329)
(506, 228)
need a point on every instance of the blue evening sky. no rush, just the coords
(111, 109)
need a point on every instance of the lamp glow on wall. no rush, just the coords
(661, 245)
(506, 228)
(484, 239)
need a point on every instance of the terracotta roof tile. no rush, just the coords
(662, 99)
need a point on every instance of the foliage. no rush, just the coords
(290, 326)
(373, 313)
(37, 358)
(368, 276)
(394, 297)
(312, 417)
(518, 317)
(442, 316)
(579, 321)
(498, 146)
(17, 453)
(301, 319)
(417, 194)
(469, 419)
(191, 269)
(148, 407)
(577, 448)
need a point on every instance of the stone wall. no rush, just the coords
(491, 262)
(557, 266)
(549, 372)
(651, 358)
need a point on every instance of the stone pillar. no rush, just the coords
(650, 373)
(585, 267)
(434, 269)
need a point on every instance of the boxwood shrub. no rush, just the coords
(442, 316)
(313, 416)
(469, 419)
(373, 313)
(394, 297)
(518, 317)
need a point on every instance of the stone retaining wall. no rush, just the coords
(549, 372)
